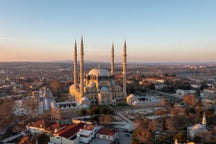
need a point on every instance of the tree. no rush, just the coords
(180, 136)
(83, 112)
(6, 109)
(56, 87)
(167, 124)
(197, 139)
(189, 100)
(105, 119)
(142, 135)
(43, 139)
(199, 106)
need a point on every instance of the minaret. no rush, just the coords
(81, 69)
(176, 141)
(124, 67)
(75, 66)
(204, 119)
(112, 60)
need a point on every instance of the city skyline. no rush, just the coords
(155, 31)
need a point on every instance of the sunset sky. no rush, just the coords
(155, 30)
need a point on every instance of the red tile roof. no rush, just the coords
(47, 125)
(107, 131)
(69, 130)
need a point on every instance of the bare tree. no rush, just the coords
(55, 85)
(6, 109)
(189, 100)
(105, 118)
(142, 135)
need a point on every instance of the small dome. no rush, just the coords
(134, 103)
(84, 100)
(98, 72)
(85, 106)
(104, 89)
(197, 127)
(131, 96)
(131, 99)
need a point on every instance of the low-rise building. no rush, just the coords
(197, 129)
(180, 92)
(43, 126)
(209, 93)
(87, 133)
(107, 133)
(67, 135)
(5, 124)
(143, 100)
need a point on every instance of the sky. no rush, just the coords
(155, 30)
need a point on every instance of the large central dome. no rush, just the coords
(98, 72)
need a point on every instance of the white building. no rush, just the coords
(20, 111)
(143, 100)
(181, 92)
(67, 135)
(42, 126)
(46, 100)
(108, 133)
(87, 133)
(197, 129)
(209, 93)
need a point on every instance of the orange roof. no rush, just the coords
(107, 131)
(47, 125)
(69, 130)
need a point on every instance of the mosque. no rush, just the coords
(98, 86)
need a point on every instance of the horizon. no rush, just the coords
(171, 31)
(117, 63)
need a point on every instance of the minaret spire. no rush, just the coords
(204, 119)
(124, 67)
(75, 66)
(112, 60)
(81, 68)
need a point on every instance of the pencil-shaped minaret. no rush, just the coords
(75, 66)
(124, 68)
(112, 60)
(204, 120)
(81, 68)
